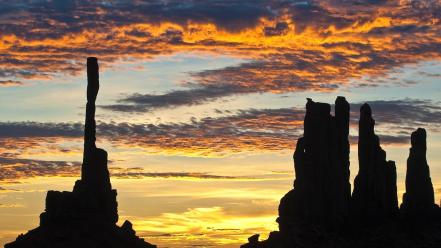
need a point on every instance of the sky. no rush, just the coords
(201, 102)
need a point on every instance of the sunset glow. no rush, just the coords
(201, 102)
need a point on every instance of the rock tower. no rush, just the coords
(321, 192)
(87, 216)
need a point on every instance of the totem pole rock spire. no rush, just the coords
(87, 216)
(419, 196)
(94, 172)
(92, 92)
(90, 124)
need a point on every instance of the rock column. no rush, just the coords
(374, 194)
(92, 198)
(321, 193)
(419, 196)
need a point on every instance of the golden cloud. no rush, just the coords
(205, 226)
(316, 45)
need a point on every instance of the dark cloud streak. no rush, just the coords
(245, 130)
(197, 95)
(15, 169)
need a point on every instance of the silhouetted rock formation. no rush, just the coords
(92, 196)
(86, 216)
(321, 191)
(320, 212)
(419, 196)
(375, 190)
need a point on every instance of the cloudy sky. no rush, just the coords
(201, 102)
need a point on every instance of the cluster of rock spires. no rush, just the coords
(320, 210)
(87, 216)
(321, 191)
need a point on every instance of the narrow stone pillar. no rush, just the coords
(374, 195)
(419, 196)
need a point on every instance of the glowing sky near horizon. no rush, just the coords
(201, 102)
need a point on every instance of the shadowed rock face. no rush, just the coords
(321, 191)
(375, 192)
(419, 196)
(86, 216)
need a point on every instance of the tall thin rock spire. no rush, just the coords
(375, 193)
(90, 123)
(92, 92)
(87, 216)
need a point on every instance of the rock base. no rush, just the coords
(401, 232)
(76, 234)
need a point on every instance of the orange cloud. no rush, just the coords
(315, 45)
(10, 83)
